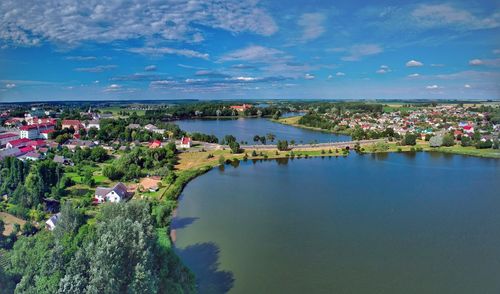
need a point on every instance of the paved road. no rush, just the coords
(350, 144)
(317, 145)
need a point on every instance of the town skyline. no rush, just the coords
(249, 50)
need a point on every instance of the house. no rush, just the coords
(10, 152)
(185, 142)
(155, 144)
(73, 143)
(33, 131)
(154, 129)
(6, 137)
(18, 143)
(150, 127)
(37, 144)
(114, 194)
(45, 134)
(134, 126)
(52, 221)
(468, 129)
(93, 124)
(241, 108)
(62, 160)
(68, 123)
(32, 155)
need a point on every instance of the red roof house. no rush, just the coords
(155, 144)
(18, 143)
(185, 142)
(68, 123)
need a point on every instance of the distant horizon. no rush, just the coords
(151, 101)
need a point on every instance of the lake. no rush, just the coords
(244, 129)
(388, 223)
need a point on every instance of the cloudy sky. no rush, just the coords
(174, 49)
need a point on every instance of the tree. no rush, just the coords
(262, 140)
(88, 179)
(465, 141)
(256, 138)
(448, 140)
(282, 145)
(271, 137)
(70, 220)
(98, 154)
(410, 139)
(235, 147)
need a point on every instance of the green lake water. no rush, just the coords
(391, 223)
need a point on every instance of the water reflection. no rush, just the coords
(203, 259)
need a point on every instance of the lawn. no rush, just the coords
(9, 221)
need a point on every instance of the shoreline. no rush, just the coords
(283, 121)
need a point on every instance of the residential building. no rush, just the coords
(6, 137)
(114, 194)
(68, 123)
(52, 221)
(185, 142)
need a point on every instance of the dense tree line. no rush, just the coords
(134, 164)
(204, 137)
(75, 257)
(27, 184)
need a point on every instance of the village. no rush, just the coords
(44, 135)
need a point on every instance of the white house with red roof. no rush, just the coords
(241, 108)
(33, 131)
(185, 142)
(18, 143)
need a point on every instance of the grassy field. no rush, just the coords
(116, 109)
(9, 221)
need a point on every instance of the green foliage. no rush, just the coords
(235, 147)
(448, 140)
(410, 139)
(204, 137)
(282, 145)
(121, 253)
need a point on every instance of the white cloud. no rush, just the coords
(467, 86)
(99, 68)
(357, 52)
(437, 65)
(167, 50)
(72, 22)
(496, 51)
(414, 63)
(414, 75)
(340, 74)
(255, 54)
(81, 58)
(445, 15)
(330, 77)
(10, 85)
(308, 76)
(383, 69)
(112, 88)
(475, 62)
(244, 79)
(151, 67)
(312, 25)
(432, 87)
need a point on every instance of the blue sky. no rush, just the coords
(175, 49)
